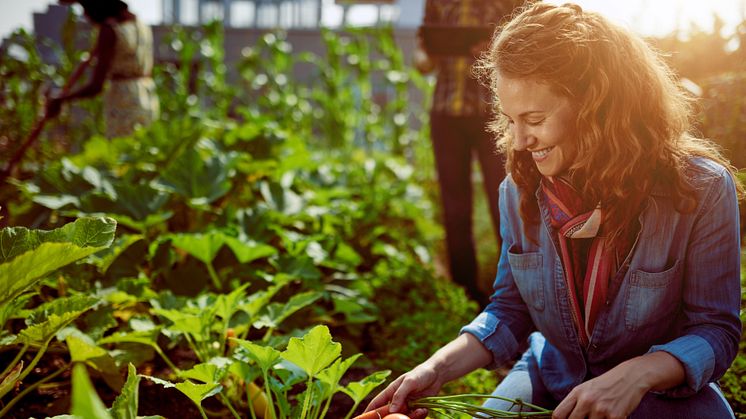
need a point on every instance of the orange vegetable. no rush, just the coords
(396, 416)
(375, 414)
(259, 400)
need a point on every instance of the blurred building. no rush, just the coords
(246, 21)
(292, 13)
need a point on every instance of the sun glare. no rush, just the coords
(662, 17)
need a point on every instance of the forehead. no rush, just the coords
(520, 95)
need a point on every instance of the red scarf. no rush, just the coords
(587, 260)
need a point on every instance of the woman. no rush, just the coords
(620, 234)
(124, 55)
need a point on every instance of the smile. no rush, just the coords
(540, 154)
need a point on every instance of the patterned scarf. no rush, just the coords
(587, 260)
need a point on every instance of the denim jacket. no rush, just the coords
(678, 291)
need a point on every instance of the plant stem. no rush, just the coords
(267, 390)
(15, 360)
(228, 404)
(307, 399)
(214, 277)
(326, 407)
(354, 406)
(160, 352)
(251, 401)
(29, 389)
(202, 411)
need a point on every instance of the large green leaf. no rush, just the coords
(314, 351)
(28, 255)
(49, 318)
(200, 174)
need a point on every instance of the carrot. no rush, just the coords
(375, 414)
(396, 416)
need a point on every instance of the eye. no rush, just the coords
(535, 122)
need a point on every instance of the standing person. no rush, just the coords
(123, 54)
(458, 130)
(620, 253)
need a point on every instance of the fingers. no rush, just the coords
(383, 397)
(399, 401)
(566, 407)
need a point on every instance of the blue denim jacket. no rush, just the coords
(680, 291)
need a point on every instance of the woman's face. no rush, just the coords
(541, 123)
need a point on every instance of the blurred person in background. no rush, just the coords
(123, 55)
(458, 119)
(620, 255)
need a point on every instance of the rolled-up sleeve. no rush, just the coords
(712, 293)
(506, 320)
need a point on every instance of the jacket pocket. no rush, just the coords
(527, 273)
(651, 296)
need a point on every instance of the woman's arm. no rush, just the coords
(103, 54)
(456, 359)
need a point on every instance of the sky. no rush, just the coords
(647, 17)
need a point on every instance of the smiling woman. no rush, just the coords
(620, 250)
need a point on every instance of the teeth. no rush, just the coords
(541, 153)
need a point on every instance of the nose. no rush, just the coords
(522, 138)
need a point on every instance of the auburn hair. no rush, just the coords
(633, 122)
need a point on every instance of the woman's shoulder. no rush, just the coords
(702, 170)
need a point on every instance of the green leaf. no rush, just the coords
(49, 318)
(259, 300)
(247, 252)
(334, 373)
(201, 174)
(206, 373)
(314, 351)
(73, 304)
(195, 392)
(277, 312)
(359, 389)
(144, 337)
(28, 255)
(125, 405)
(264, 356)
(202, 246)
(185, 322)
(97, 358)
(226, 305)
(85, 401)
(105, 258)
(198, 392)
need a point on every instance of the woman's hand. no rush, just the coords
(614, 394)
(458, 358)
(618, 392)
(423, 381)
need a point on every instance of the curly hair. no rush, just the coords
(633, 124)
